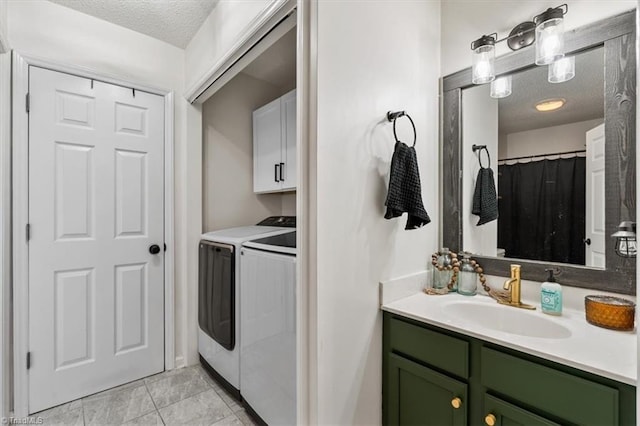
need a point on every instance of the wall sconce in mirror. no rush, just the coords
(562, 70)
(546, 30)
(626, 239)
(501, 87)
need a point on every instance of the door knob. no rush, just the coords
(587, 241)
(456, 403)
(490, 420)
(154, 249)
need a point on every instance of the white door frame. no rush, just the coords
(20, 197)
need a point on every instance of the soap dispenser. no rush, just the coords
(551, 295)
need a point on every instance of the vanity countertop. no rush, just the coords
(607, 353)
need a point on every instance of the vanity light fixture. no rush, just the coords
(562, 70)
(550, 104)
(626, 245)
(550, 35)
(501, 87)
(546, 29)
(483, 58)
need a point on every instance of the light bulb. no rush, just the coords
(501, 87)
(562, 70)
(549, 36)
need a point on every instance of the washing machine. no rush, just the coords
(219, 296)
(268, 328)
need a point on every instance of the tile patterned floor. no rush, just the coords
(187, 396)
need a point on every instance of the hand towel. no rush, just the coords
(405, 194)
(485, 198)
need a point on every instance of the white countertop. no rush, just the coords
(593, 349)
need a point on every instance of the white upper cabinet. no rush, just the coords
(274, 145)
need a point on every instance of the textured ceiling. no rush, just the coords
(173, 21)
(584, 95)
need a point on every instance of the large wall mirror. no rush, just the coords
(565, 178)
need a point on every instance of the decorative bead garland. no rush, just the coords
(480, 272)
(455, 267)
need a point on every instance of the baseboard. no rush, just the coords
(179, 362)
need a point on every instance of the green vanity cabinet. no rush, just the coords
(433, 376)
(502, 413)
(422, 396)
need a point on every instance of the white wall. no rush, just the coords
(480, 127)
(548, 140)
(464, 21)
(218, 34)
(47, 30)
(5, 224)
(388, 61)
(228, 197)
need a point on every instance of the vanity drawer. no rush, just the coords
(568, 397)
(436, 349)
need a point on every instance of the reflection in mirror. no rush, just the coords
(548, 166)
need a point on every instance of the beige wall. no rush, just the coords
(466, 20)
(228, 197)
(548, 140)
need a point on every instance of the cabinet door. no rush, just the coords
(417, 395)
(267, 136)
(289, 132)
(500, 413)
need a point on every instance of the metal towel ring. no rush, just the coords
(393, 116)
(482, 148)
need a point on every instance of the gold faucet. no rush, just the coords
(512, 285)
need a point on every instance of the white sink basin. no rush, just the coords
(506, 319)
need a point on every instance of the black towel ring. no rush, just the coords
(482, 148)
(393, 116)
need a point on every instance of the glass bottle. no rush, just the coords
(443, 269)
(467, 276)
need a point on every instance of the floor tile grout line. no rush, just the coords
(153, 402)
(84, 420)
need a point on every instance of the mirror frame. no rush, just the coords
(617, 36)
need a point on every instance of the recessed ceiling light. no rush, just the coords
(550, 105)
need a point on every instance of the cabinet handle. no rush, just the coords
(490, 420)
(456, 403)
(275, 172)
(281, 171)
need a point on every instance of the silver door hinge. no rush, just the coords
(28, 231)
(27, 102)
(28, 360)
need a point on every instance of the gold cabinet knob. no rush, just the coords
(456, 402)
(490, 420)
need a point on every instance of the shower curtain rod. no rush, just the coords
(543, 155)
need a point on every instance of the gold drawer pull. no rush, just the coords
(490, 420)
(456, 402)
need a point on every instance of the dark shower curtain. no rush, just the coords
(542, 210)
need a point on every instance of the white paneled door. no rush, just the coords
(96, 288)
(595, 236)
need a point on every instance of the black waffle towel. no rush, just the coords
(404, 193)
(485, 199)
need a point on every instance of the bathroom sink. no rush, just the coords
(506, 319)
